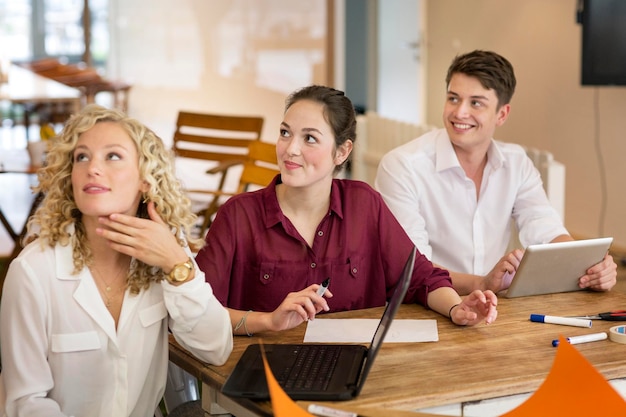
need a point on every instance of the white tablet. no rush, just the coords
(556, 267)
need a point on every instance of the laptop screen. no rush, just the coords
(390, 311)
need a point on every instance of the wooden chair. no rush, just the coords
(220, 139)
(259, 169)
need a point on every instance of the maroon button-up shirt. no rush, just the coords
(254, 255)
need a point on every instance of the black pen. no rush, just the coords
(321, 290)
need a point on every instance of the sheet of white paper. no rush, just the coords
(362, 331)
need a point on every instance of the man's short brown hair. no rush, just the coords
(492, 70)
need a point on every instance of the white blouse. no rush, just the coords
(61, 352)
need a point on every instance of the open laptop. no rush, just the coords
(556, 267)
(348, 365)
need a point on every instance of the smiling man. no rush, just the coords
(455, 190)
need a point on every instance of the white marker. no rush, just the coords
(567, 321)
(586, 338)
(320, 410)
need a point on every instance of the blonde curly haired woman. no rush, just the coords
(86, 306)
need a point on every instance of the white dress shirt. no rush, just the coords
(63, 356)
(425, 187)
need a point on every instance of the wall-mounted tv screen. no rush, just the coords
(603, 41)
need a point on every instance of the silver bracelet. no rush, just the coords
(242, 322)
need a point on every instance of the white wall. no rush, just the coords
(239, 56)
(174, 55)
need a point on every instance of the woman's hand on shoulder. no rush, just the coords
(298, 307)
(475, 308)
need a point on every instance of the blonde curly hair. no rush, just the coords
(58, 208)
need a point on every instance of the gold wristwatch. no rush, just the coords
(181, 272)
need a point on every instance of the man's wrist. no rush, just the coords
(483, 283)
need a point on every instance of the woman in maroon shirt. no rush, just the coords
(269, 250)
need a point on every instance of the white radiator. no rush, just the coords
(377, 135)
(553, 176)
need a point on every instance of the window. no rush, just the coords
(34, 29)
(15, 29)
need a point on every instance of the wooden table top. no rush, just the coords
(510, 356)
(16, 161)
(24, 86)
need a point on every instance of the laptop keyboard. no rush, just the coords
(312, 369)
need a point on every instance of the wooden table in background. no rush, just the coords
(468, 364)
(16, 162)
(26, 88)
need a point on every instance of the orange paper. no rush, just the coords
(573, 388)
(282, 405)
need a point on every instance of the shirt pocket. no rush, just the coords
(271, 283)
(285, 276)
(348, 283)
(154, 314)
(74, 342)
(347, 270)
(267, 272)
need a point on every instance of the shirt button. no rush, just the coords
(313, 264)
(320, 233)
(266, 276)
(354, 270)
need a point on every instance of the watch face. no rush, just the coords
(181, 272)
